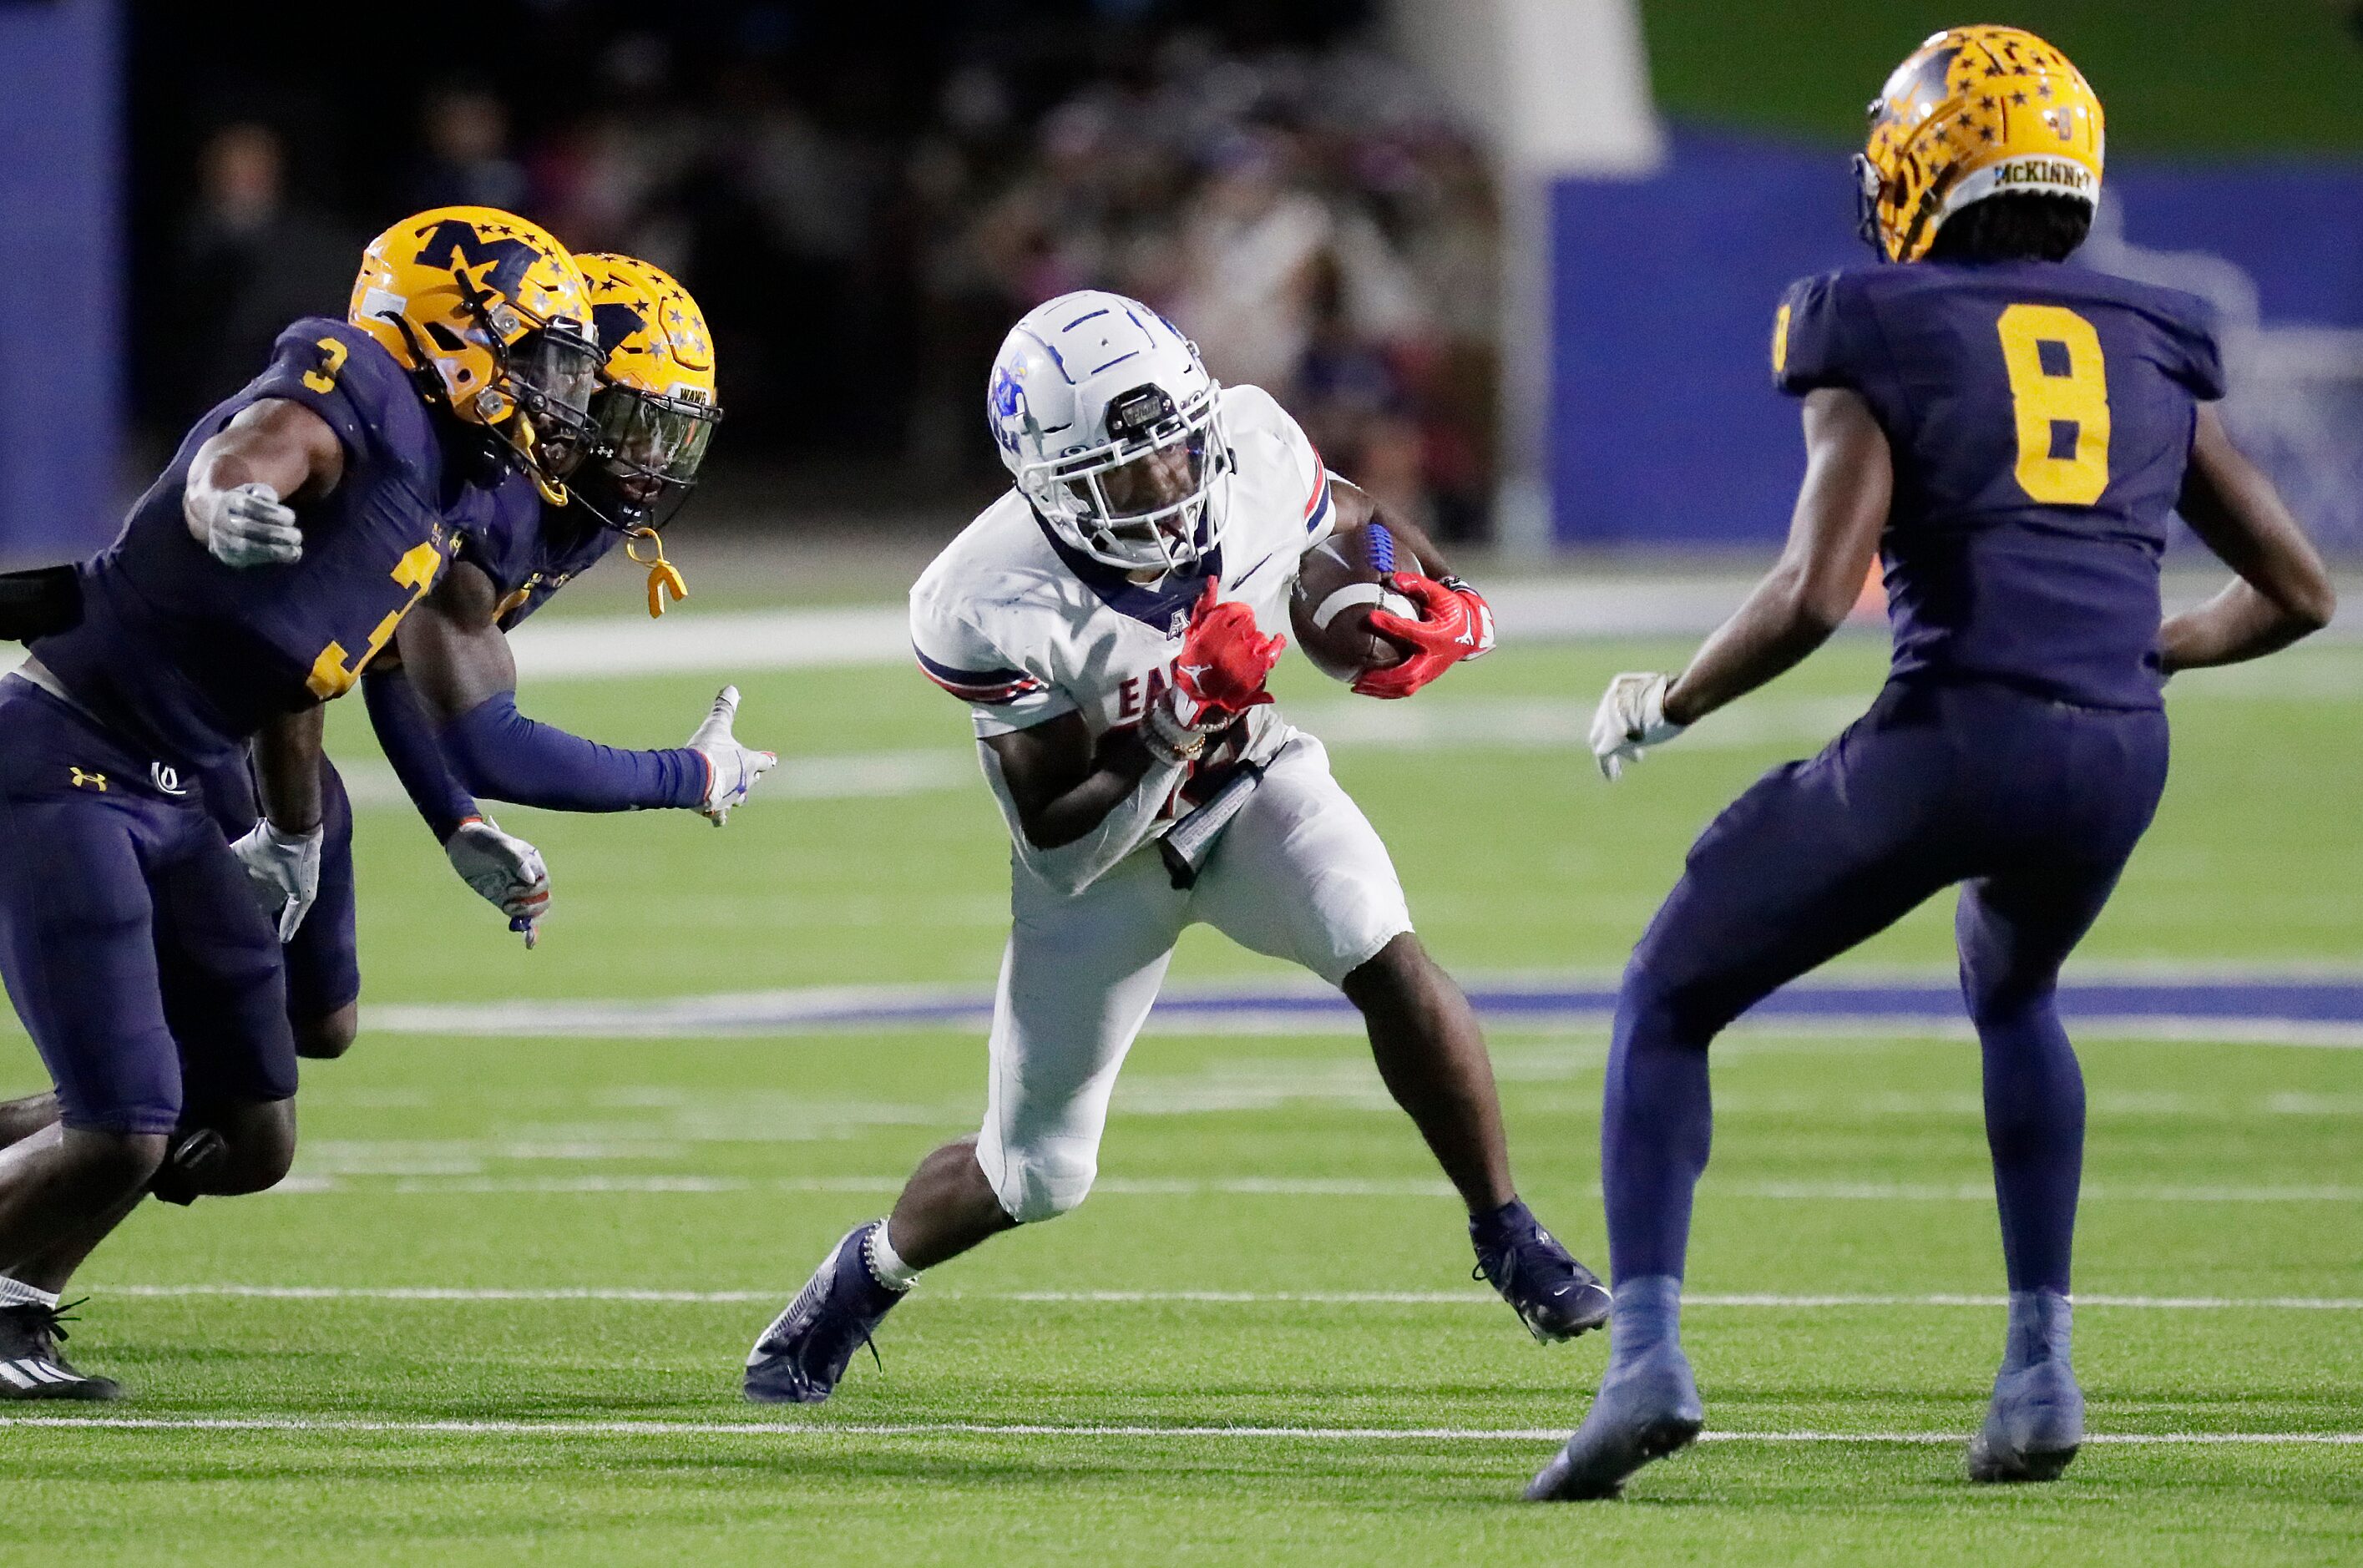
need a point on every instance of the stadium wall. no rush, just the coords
(61, 285)
(1665, 430)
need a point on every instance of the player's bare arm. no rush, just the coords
(2284, 592)
(282, 852)
(1849, 478)
(287, 756)
(1063, 783)
(1833, 535)
(273, 452)
(452, 647)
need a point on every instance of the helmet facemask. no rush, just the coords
(543, 382)
(1139, 500)
(649, 447)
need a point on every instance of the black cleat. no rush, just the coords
(30, 1366)
(800, 1358)
(1555, 1296)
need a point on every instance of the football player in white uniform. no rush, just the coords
(1111, 622)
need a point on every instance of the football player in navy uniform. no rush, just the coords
(2012, 436)
(445, 709)
(275, 557)
(442, 698)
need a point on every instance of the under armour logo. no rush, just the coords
(166, 779)
(87, 780)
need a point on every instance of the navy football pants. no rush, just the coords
(130, 941)
(2033, 804)
(323, 959)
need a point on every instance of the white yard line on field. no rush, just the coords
(1190, 1297)
(427, 1181)
(859, 1430)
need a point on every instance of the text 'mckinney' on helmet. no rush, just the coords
(494, 309)
(1105, 417)
(1972, 113)
(656, 407)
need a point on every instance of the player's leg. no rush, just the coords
(2015, 930)
(223, 978)
(20, 1119)
(1300, 874)
(1815, 858)
(80, 966)
(323, 959)
(1077, 981)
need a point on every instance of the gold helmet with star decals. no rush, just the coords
(1972, 113)
(655, 409)
(490, 314)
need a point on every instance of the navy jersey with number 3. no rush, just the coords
(2040, 416)
(187, 657)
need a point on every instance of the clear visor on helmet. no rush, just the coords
(650, 449)
(552, 372)
(660, 438)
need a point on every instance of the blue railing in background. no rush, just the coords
(1664, 427)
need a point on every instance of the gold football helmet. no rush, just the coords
(655, 409)
(1975, 112)
(494, 311)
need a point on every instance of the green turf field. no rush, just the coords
(443, 1398)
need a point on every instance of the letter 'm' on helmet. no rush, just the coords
(656, 408)
(496, 310)
(1105, 417)
(1972, 113)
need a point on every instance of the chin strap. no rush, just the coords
(664, 577)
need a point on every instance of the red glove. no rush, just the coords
(1219, 676)
(1455, 623)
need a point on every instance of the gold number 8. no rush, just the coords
(2059, 393)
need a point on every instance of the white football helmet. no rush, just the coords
(1106, 416)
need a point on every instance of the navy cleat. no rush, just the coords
(1555, 1296)
(30, 1366)
(1647, 1406)
(800, 1358)
(2036, 1423)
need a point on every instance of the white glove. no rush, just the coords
(284, 870)
(246, 526)
(731, 769)
(1632, 718)
(505, 871)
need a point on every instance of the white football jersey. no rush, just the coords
(1025, 629)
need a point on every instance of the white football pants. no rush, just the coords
(1299, 874)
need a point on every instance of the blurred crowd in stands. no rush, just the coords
(862, 234)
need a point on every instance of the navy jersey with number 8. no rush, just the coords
(2040, 417)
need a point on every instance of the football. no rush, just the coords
(1338, 585)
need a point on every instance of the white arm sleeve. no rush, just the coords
(1070, 867)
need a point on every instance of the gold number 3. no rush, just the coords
(332, 359)
(416, 571)
(2059, 393)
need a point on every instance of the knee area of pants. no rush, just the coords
(1044, 1188)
